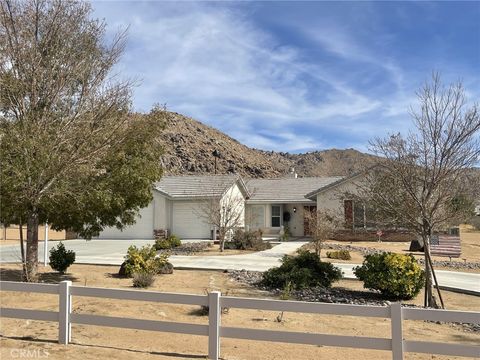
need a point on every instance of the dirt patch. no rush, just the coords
(90, 342)
(470, 251)
(470, 239)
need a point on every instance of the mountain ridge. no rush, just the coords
(189, 146)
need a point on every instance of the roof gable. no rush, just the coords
(313, 194)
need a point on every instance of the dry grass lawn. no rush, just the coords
(90, 342)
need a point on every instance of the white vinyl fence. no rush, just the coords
(396, 344)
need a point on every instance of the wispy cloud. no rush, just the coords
(219, 63)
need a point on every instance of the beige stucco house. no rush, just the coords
(270, 205)
(338, 199)
(272, 199)
(180, 204)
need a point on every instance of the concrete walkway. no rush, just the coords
(112, 252)
(259, 261)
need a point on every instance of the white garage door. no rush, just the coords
(187, 222)
(142, 229)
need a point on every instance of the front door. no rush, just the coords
(309, 219)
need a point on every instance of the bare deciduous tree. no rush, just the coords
(225, 212)
(424, 181)
(322, 225)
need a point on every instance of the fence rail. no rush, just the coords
(396, 343)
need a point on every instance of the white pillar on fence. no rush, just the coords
(396, 316)
(45, 246)
(64, 309)
(214, 317)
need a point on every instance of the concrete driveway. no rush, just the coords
(107, 252)
(112, 252)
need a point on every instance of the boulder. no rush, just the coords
(121, 271)
(166, 269)
(416, 245)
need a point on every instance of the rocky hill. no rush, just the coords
(189, 146)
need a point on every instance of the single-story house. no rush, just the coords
(270, 199)
(338, 198)
(179, 204)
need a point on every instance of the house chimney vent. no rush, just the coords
(292, 174)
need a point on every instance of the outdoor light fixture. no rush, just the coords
(294, 209)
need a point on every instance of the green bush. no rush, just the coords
(61, 258)
(340, 254)
(143, 279)
(168, 243)
(247, 240)
(302, 271)
(396, 276)
(144, 260)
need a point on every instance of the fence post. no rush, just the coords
(214, 317)
(396, 317)
(64, 310)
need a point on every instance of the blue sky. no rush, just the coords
(295, 76)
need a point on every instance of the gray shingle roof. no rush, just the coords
(186, 187)
(286, 189)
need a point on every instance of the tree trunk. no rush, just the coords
(429, 300)
(436, 282)
(221, 238)
(32, 247)
(22, 252)
(221, 242)
(318, 248)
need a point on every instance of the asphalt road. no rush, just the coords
(112, 252)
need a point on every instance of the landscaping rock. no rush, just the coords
(415, 246)
(121, 271)
(335, 295)
(246, 277)
(190, 248)
(166, 269)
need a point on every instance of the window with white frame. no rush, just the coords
(276, 215)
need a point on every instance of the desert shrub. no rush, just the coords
(162, 244)
(302, 271)
(174, 240)
(61, 258)
(144, 260)
(143, 279)
(168, 243)
(396, 276)
(340, 254)
(247, 240)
